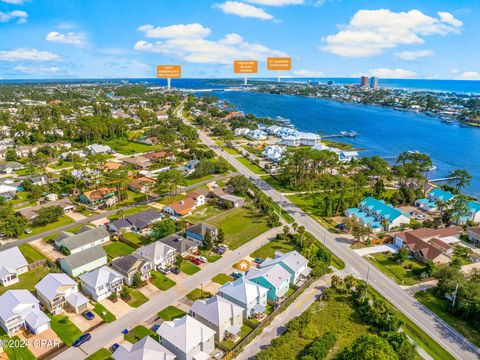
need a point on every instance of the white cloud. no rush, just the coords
(184, 31)
(308, 73)
(19, 15)
(199, 49)
(390, 73)
(36, 70)
(467, 75)
(15, 2)
(243, 10)
(276, 2)
(70, 38)
(27, 54)
(370, 32)
(413, 55)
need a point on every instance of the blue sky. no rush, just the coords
(330, 38)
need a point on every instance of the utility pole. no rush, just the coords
(455, 296)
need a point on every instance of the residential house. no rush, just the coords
(430, 244)
(344, 156)
(274, 278)
(86, 239)
(20, 310)
(142, 184)
(111, 165)
(26, 150)
(199, 195)
(31, 212)
(274, 153)
(198, 232)
(181, 208)
(232, 201)
(473, 213)
(435, 197)
(291, 140)
(241, 131)
(309, 139)
(12, 264)
(9, 188)
(145, 349)
(377, 215)
(130, 264)
(187, 338)
(136, 222)
(256, 135)
(182, 246)
(99, 149)
(138, 162)
(101, 283)
(219, 314)
(84, 261)
(158, 253)
(159, 155)
(474, 235)
(162, 115)
(10, 166)
(59, 292)
(191, 165)
(293, 262)
(103, 197)
(77, 153)
(250, 296)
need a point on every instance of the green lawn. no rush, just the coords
(197, 293)
(129, 147)
(102, 354)
(21, 353)
(440, 307)
(135, 238)
(240, 225)
(28, 280)
(203, 212)
(197, 180)
(117, 249)
(138, 333)
(222, 278)
(63, 220)
(60, 165)
(31, 254)
(188, 268)
(275, 183)
(171, 199)
(102, 311)
(170, 313)
(210, 255)
(231, 151)
(251, 166)
(65, 329)
(268, 250)
(136, 298)
(161, 281)
(21, 197)
(398, 272)
(244, 331)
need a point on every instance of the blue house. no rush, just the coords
(275, 278)
(436, 195)
(198, 231)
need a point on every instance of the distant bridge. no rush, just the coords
(445, 179)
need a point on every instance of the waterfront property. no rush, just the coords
(377, 215)
(20, 310)
(474, 235)
(101, 283)
(435, 198)
(187, 338)
(59, 292)
(12, 264)
(344, 156)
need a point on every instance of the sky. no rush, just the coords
(426, 39)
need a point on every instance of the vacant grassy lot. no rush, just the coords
(138, 333)
(136, 298)
(170, 313)
(102, 311)
(130, 211)
(275, 183)
(268, 250)
(191, 181)
(197, 293)
(63, 220)
(31, 254)
(222, 278)
(161, 281)
(203, 212)
(28, 280)
(188, 268)
(401, 273)
(240, 225)
(440, 307)
(102, 354)
(136, 238)
(129, 147)
(251, 166)
(117, 249)
(65, 329)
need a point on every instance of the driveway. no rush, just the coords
(377, 249)
(75, 216)
(82, 323)
(149, 290)
(118, 308)
(42, 343)
(46, 249)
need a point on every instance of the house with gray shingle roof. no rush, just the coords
(84, 261)
(101, 283)
(158, 253)
(83, 240)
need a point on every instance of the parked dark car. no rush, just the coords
(88, 315)
(125, 331)
(341, 226)
(258, 260)
(114, 347)
(175, 270)
(218, 250)
(81, 340)
(156, 327)
(237, 275)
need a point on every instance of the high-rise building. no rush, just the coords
(374, 82)
(364, 81)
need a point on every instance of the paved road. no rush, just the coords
(110, 333)
(440, 331)
(278, 326)
(101, 215)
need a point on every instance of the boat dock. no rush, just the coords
(348, 134)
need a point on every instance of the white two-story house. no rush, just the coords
(101, 283)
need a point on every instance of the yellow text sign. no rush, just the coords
(279, 63)
(169, 71)
(245, 66)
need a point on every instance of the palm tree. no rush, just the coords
(463, 178)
